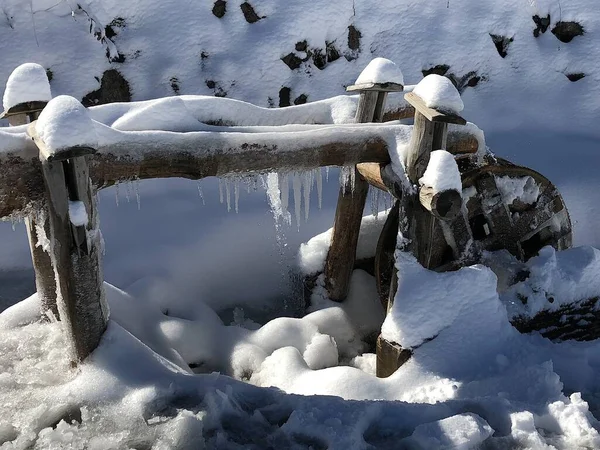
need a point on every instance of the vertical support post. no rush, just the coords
(351, 202)
(421, 227)
(75, 245)
(36, 223)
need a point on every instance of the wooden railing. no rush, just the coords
(69, 270)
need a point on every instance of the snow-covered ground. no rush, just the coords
(194, 277)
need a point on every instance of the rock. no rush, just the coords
(174, 81)
(332, 53)
(440, 69)
(113, 88)
(301, 99)
(354, 38)
(110, 29)
(219, 8)
(501, 43)
(319, 59)
(575, 76)
(284, 96)
(566, 31)
(542, 24)
(249, 13)
(301, 46)
(292, 61)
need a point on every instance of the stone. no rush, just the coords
(292, 61)
(542, 24)
(575, 76)
(219, 8)
(113, 88)
(501, 43)
(249, 13)
(284, 96)
(354, 38)
(567, 31)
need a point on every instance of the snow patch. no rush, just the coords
(460, 432)
(439, 93)
(524, 189)
(27, 83)
(442, 172)
(379, 71)
(77, 213)
(65, 123)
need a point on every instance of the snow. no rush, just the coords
(27, 83)
(524, 189)
(65, 123)
(460, 432)
(379, 71)
(442, 172)
(77, 213)
(439, 93)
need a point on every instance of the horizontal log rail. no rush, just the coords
(144, 155)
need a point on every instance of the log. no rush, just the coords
(444, 205)
(75, 253)
(381, 176)
(352, 197)
(36, 223)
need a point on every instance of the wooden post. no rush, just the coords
(36, 223)
(352, 198)
(424, 211)
(75, 247)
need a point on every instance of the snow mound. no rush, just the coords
(379, 71)
(460, 432)
(27, 83)
(555, 279)
(524, 189)
(442, 172)
(65, 123)
(439, 93)
(417, 314)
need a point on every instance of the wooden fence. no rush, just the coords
(69, 270)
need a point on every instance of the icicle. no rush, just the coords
(236, 195)
(327, 174)
(220, 190)
(13, 223)
(117, 193)
(200, 193)
(136, 186)
(374, 201)
(274, 197)
(307, 178)
(127, 189)
(319, 177)
(352, 178)
(297, 186)
(227, 194)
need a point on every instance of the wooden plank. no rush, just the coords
(24, 108)
(390, 356)
(80, 294)
(341, 255)
(376, 87)
(432, 114)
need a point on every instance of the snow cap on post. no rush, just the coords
(64, 130)
(441, 186)
(438, 92)
(381, 74)
(27, 90)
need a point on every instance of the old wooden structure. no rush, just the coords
(442, 228)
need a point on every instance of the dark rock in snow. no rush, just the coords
(354, 38)
(249, 13)
(292, 61)
(542, 24)
(301, 99)
(113, 88)
(319, 58)
(440, 69)
(575, 76)
(566, 31)
(219, 8)
(332, 53)
(174, 81)
(501, 43)
(284, 96)
(301, 46)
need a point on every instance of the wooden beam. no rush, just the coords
(432, 114)
(444, 205)
(376, 87)
(24, 109)
(381, 176)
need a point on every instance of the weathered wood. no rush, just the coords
(37, 225)
(444, 205)
(440, 136)
(432, 114)
(77, 269)
(376, 87)
(352, 197)
(390, 356)
(381, 176)
(421, 144)
(24, 109)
